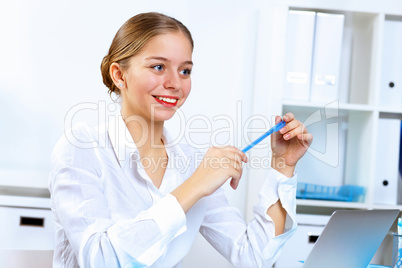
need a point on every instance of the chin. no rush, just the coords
(164, 116)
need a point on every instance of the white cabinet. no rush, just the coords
(345, 145)
(26, 223)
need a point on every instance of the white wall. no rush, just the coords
(51, 53)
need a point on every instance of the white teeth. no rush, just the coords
(167, 99)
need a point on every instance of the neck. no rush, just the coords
(147, 134)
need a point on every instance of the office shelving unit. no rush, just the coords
(359, 110)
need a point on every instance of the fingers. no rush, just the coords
(238, 152)
(290, 134)
(235, 162)
(231, 159)
(293, 127)
(236, 175)
(288, 117)
(277, 119)
(234, 183)
(306, 139)
(230, 152)
(237, 165)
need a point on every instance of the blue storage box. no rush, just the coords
(346, 193)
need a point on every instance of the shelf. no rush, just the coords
(346, 131)
(346, 154)
(387, 6)
(378, 206)
(390, 110)
(344, 205)
(24, 202)
(24, 183)
(343, 106)
(340, 106)
(24, 191)
(331, 204)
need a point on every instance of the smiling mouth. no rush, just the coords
(166, 101)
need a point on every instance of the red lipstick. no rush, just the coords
(167, 101)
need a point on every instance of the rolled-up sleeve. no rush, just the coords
(80, 205)
(253, 244)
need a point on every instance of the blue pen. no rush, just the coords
(275, 128)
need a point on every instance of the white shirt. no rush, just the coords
(108, 213)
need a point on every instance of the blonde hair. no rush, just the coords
(132, 36)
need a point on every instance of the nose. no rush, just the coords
(172, 81)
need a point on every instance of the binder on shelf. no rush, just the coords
(326, 57)
(391, 79)
(400, 170)
(387, 165)
(299, 51)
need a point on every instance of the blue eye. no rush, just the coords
(186, 72)
(158, 67)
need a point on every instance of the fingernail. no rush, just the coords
(283, 130)
(287, 136)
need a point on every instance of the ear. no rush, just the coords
(116, 73)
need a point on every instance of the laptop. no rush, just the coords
(350, 238)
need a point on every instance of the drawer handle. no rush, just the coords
(312, 238)
(29, 221)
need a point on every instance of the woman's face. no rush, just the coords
(158, 78)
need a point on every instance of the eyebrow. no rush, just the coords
(165, 59)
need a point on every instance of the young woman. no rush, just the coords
(123, 202)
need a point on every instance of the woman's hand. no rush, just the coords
(218, 165)
(289, 144)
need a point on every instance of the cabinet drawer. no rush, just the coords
(26, 228)
(298, 247)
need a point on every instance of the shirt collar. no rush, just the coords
(122, 142)
(124, 145)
